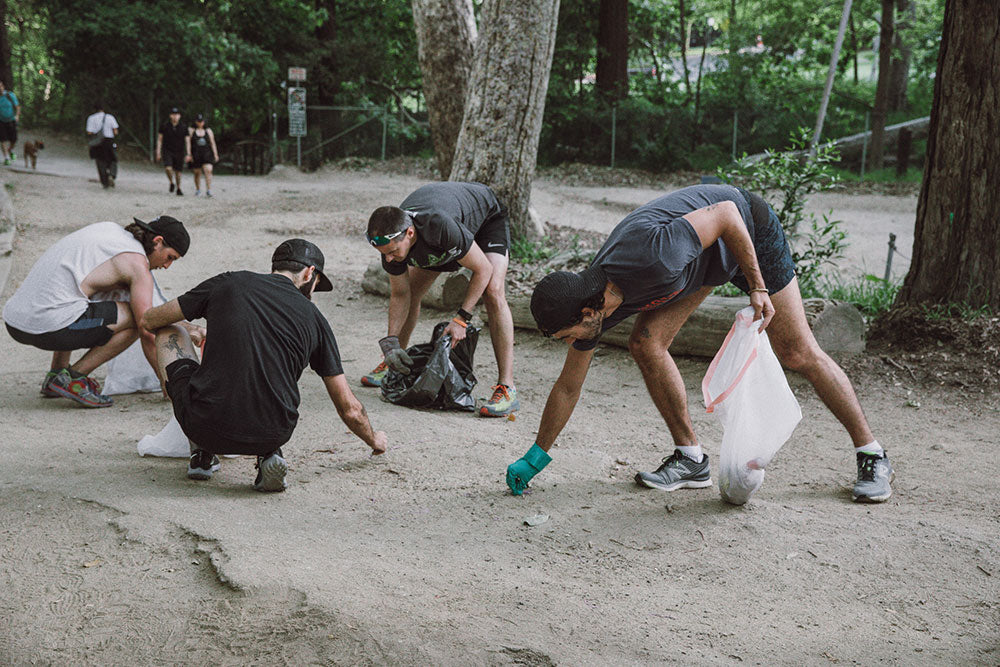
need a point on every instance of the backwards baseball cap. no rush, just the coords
(171, 229)
(559, 298)
(307, 254)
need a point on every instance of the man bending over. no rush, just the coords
(89, 291)
(439, 228)
(243, 397)
(660, 262)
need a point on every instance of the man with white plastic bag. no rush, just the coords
(747, 391)
(660, 262)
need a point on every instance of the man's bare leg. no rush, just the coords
(125, 333)
(173, 343)
(420, 281)
(500, 320)
(60, 360)
(649, 344)
(797, 349)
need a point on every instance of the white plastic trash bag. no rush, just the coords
(170, 442)
(746, 389)
(129, 372)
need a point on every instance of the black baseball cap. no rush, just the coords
(199, 116)
(307, 254)
(174, 110)
(559, 298)
(171, 229)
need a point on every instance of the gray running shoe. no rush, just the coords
(677, 472)
(271, 471)
(202, 465)
(875, 475)
(83, 390)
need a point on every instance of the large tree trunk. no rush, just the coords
(498, 144)
(956, 245)
(877, 154)
(902, 52)
(612, 49)
(326, 78)
(6, 70)
(446, 36)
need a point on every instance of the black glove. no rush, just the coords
(395, 356)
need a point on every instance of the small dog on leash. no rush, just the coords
(31, 149)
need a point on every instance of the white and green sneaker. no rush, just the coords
(502, 403)
(875, 475)
(374, 379)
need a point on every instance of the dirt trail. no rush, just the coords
(422, 557)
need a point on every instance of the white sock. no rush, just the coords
(693, 452)
(871, 448)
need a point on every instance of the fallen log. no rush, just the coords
(839, 327)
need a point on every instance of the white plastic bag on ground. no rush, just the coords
(170, 442)
(129, 372)
(745, 387)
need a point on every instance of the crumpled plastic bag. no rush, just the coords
(170, 442)
(129, 372)
(746, 389)
(441, 376)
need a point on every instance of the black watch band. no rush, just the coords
(465, 315)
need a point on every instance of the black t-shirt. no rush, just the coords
(262, 333)
(446, 217)
(654, 255)
(173, 138)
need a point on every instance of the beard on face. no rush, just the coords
(307, 288)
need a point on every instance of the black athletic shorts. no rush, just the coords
(8, 131)
(493, 236)
(774, 256)
(179, 389)
(173, 160)
(89, 330)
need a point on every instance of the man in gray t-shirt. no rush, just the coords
(660, 262)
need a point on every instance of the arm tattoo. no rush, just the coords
(644, 333)
(711, 207)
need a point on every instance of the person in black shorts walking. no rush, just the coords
(171, 149)
(243, 397)
(202, 153)
(438, 228)
(660, 263)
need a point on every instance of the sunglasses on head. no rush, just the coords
(379, 241)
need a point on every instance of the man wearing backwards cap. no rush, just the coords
(243, 397)
(660, 262)
(171, 148)
(89, 291)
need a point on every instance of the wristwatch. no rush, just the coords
(465, 315)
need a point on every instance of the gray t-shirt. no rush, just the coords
(446, 217)
(654, 255)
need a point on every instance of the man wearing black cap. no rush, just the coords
(89, 291)
(660, 262)
(243, 397)
(171, 142)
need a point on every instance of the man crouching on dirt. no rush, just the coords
(441, 227)
(243, 397)
(661, 262)
(89, 290)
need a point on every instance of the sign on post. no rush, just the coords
(296, 73)
(296, 112)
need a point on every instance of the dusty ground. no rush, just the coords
(422, 557)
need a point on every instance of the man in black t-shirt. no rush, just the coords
(171, 149)
(243, 397)
(438, 228)
(661, 262)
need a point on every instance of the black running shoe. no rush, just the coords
(271, 471)
(171, 187)
(202, 465)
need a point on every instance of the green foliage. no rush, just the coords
(871, 294)
(795, 176)
(526, 251)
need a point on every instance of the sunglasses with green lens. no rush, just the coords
(379, 241)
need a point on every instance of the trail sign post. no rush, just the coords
(297, 118)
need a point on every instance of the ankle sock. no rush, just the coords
(693, 452)
(871, 448)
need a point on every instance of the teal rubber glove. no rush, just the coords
(520, 472)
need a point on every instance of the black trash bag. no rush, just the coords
(441, 377)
